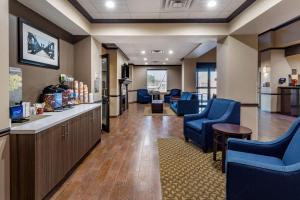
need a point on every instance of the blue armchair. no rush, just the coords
(198, 127)
(187, 104)
(265, 170)
(173, 93)
(143, 96)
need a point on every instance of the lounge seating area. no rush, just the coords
(254, 167)
(198, 127)
(150, 100)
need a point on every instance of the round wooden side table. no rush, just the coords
(222, 132)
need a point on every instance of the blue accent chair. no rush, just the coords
(187, 104)
(198, 127)
(143, 96)
(265, 170)
(173, 93)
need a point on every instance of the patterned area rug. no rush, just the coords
(187, 173)
(167, 111)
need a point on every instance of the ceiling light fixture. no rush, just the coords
(110, 4)
(143, 52)
(211, 3)
(171, 52)
(164, 63)
(145, 59)
(146, 63)
(167, 59)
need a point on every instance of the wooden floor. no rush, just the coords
(125, 165)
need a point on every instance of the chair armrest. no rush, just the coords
(192, 117)
(274, 148)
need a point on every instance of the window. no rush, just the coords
(206, 77)
(157, 80)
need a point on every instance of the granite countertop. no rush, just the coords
(51, 119)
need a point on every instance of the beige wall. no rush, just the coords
(140, 76)
(36, 78)
(87, 63)
(189, 70)
(237, 76)
(116, 60)
(4, 60)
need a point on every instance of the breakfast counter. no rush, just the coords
(50, 119)
(47, 148)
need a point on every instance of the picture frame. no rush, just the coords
(37, 47)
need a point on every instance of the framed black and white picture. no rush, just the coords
(37, 47)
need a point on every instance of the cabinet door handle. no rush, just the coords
(64, 131)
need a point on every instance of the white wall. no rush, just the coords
(237, 76)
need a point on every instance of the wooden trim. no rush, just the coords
(292, 50)
(114, 95)
(281, 25)
(249, 104)
(272, 48)
(78, 6)
(240, 9)
(4, 132)
(265, 93)
(235, 13)
(17, 9)
(157, 65)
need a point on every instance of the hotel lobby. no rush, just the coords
(158, 100)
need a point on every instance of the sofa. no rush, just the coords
(265, 170)
(187, 104)
(143, 96)
(174, 93)
(198, 127)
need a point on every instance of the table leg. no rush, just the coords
(223, 152)
(215, 146)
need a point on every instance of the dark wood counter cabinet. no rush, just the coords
(41, 161)
(290, 100)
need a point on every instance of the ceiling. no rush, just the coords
(181, 47)
(159, 9)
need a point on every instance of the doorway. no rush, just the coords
(206, 82)
(105, 92)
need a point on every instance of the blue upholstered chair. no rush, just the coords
(198, 127)
(143, 96)
(173, 93)
(187, 104)
(265, 170)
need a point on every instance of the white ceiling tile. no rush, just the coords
(173, 15)
(141, 15)
(152, 9)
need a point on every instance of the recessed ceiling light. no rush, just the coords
(167, 59)
(211, 3)
(171, 52)
(164, 63)
(146, 63)
(143, 52)
(110, 4)
(145, 59)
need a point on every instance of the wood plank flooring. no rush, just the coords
(125, 165)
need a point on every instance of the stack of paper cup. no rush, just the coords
(86, 93)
